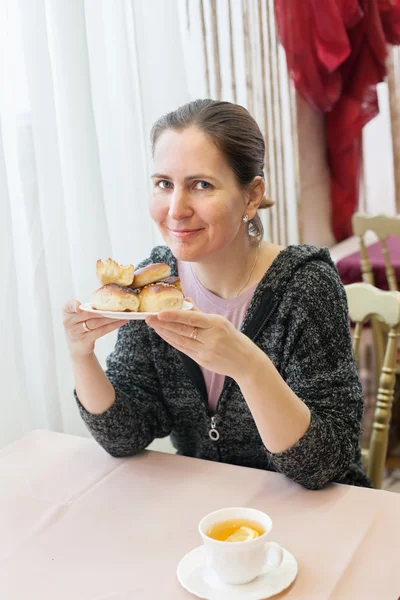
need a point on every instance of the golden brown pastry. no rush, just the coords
(175, 281)
(112, 272)
(151, 274)
(160, 296)
(115, 298)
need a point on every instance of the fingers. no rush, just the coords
(75, 318)
(71, 307)
(177, 340)
(95, 327)
(73, 315)
(100, 331)
(178, 328)
(194, 318)
(179, 343)
(194, 308)
(94, 322)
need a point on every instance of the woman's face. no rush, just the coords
(195, 201)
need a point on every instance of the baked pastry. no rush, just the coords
(151, 274)
(112, 272)
(175, 281)
(160, 296)
(150, 289)
(115, 298)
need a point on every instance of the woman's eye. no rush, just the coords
(164, 185)
(202, 185)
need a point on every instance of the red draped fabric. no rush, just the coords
(336, 51)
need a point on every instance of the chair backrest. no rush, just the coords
(366, 301)
(383, 226)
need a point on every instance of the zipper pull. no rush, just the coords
(214, 433)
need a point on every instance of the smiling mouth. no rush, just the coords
(184, 232)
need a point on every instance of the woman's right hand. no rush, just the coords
(77, 322)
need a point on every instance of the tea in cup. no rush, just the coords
(235, 541)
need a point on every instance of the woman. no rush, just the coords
(262, 372)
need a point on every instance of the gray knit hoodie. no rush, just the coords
(298, 317)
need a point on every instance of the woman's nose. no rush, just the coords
(179, 207)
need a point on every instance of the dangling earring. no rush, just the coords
(245, 218)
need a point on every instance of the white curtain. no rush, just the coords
(81, 82)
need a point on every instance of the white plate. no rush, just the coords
(198, 579)
(125, 316)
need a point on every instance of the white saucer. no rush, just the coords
(198, 579)
(125, 316)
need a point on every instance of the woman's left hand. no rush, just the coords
(210, 340)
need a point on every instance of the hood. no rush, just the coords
(288, 262)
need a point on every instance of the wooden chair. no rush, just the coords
(366, 301)
(383, 226)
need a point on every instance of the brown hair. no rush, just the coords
(235, 133)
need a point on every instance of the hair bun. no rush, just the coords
(266, 203)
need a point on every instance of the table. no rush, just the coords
(77, 524)
(349, 267)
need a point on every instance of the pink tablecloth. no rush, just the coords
(76, 524)
(349, 267)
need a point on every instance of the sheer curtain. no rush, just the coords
(80, 84)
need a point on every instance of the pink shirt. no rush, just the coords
(233, 309)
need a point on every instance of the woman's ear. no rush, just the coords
(255, 194)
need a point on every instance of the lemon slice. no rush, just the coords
(243, 534)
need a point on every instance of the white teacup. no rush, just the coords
(237, 563)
